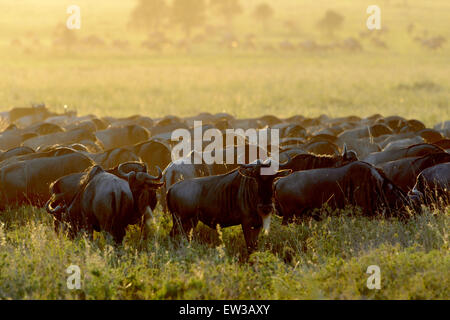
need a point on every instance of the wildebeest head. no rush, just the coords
(143, 187)
(264, 185)
(395, 200)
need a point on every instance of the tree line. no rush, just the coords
(152, 15)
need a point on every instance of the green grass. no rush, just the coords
(316, 260)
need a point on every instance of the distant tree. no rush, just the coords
(188, 14)
(330, 22)
(228, 9)
(149, 15)
(263, 12)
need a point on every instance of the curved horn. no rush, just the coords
(150, 177)
(123, 174)
(48, 207)
(345, 149)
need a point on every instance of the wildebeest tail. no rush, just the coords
(168, 202)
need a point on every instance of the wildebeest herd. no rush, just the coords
(104, 173)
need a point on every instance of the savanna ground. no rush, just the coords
(316, 260)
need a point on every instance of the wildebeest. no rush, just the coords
(433, 184)
(310, 161)
(27, 182)
(240, 197)
(415, 150)
(119, 137)
(62, 138)
(104, 200)
(114, 157)
(18, 151)
(64, 189)
(357, 183)
(153, 153)
(403, 172)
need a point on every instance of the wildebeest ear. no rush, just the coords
(283, 173)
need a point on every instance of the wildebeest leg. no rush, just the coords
(251, 237)
(176, 225)
(184, 225)
(287, 218)
(189, 225)
(146, 222)
(162, 199)
(119, 234)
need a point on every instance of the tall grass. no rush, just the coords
(324, 259)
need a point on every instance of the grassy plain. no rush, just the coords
(317, 260)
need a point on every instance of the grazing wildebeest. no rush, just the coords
(433, 184)
(153, 153)
(18, 151)
(242, 196)
(311, 161)
(114, 157)
(119, 137)
(61, 138)
(375, 130)
(11, 137)
(402, 143)
(403, 172)
(357, 183)
(54, 151)
(102, 200)
(416, 150)
(363, 147)
(28, 181)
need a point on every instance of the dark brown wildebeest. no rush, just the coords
(357, 183)
(375, 130)
(64, 189)
(363, 147)
(61, 138)
(18, 151)
(101, 200)
(112, 138)
(114, 157)
(27, 182)
(416, 150)
(240, 197)
(322, 148)
(403, 172)
(153, 153)
(311, 161)
(11, 137)
(54, 151)
(433, 185)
